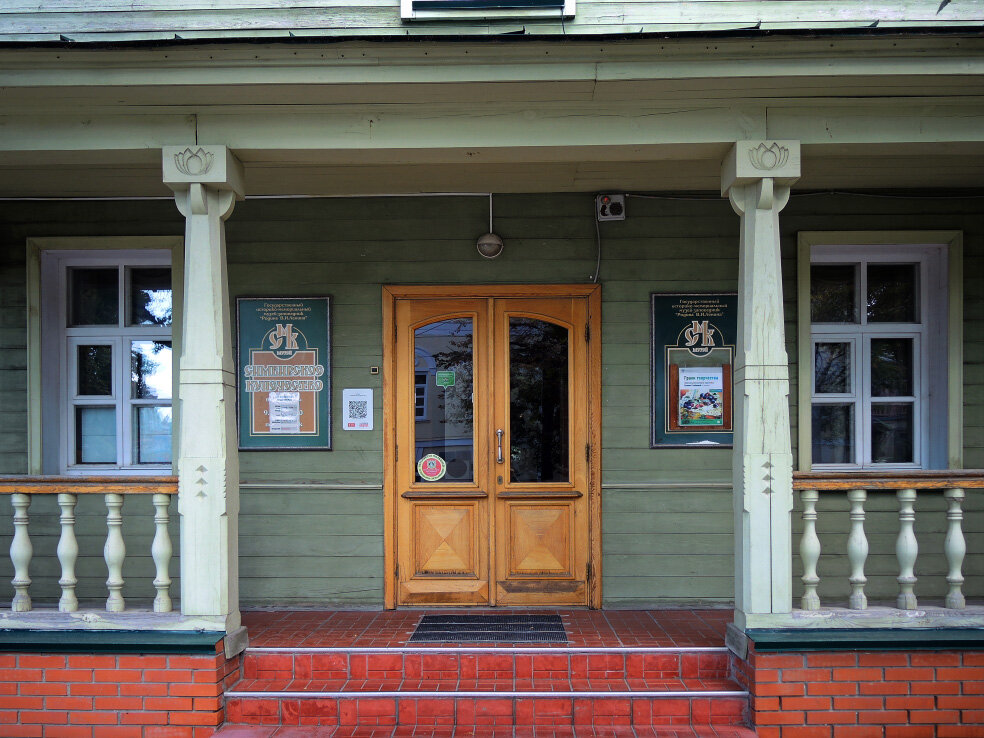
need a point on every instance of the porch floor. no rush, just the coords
(687, 628)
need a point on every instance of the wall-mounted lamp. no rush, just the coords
(489, 245)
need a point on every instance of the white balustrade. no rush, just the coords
(810, 550)
(954, 547)
(906, 549)
(906, 487)
(857, 549)
(67, 550)
(160, 550)
(20, 553)
(114, 552)
(68, 553)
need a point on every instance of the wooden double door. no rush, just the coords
(492, 464)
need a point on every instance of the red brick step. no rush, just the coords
(468, 688)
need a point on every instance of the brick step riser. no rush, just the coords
(387, 668)
(487, 711)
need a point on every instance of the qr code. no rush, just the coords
(358, 409)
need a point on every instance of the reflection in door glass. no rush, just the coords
(443, 399)
(538, 419)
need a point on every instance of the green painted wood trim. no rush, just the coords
(110, 641)
(953, 240)
(174, 244)
(880, 639)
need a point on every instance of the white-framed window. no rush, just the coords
(107, 360)
(876, 367)
(458, 10)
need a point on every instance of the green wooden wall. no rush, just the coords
(311, 523)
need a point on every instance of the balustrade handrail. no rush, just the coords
(906, 484)
(115, 489)
(907, 479)
(51, 484)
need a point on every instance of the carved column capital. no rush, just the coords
(764, 169)
(192, 171)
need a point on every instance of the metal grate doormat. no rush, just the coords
(505, 628)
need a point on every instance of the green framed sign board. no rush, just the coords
(284, 373)
(693, 351)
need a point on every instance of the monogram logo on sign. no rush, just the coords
(284, 335)
(699, 330)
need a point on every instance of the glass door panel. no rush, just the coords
(444, 412)
(539, 448)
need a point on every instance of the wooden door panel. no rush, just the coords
(445, 541)
(540, 401)
(442, 525)
(540, 539)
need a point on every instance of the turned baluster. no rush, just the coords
(906, 550)
(68, 553)
(161, 551)
(954, 547)
(114, 552)
(810, 550)
(20, 553)
(857, 549)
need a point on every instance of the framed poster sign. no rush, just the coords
(284, 374)
(693, 353)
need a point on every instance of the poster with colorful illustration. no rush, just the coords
(701, 397)
(284, 373)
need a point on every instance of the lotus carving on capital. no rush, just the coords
(194, 163)
(769, 157)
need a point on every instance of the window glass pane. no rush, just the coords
(152, 434)
(538, 414)
(95, 435)
(833, 434)
(95, 370)
(93, 296)
(893, 293)
(832, 292)
(150, 296)
(832, 368)
(150, 369)
(891, 432)
(447, 430)
(891, 367)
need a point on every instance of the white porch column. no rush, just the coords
(756, 176)
(207, 181)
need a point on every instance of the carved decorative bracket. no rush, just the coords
(770, 166)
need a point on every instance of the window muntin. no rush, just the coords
(872, 315)
(113, 327)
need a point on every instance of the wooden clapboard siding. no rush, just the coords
(661, 545)
(160, 19)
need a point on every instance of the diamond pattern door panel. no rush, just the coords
(540, 538)
(445, 543)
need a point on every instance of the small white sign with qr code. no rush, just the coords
(356, 409)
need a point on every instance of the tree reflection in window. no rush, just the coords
(538, 413)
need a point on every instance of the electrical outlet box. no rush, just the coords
(610, 207)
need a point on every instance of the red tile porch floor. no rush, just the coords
(389, 629)
(622, 674)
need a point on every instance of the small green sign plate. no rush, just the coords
(444, 379)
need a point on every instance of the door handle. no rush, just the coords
(498, 454)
